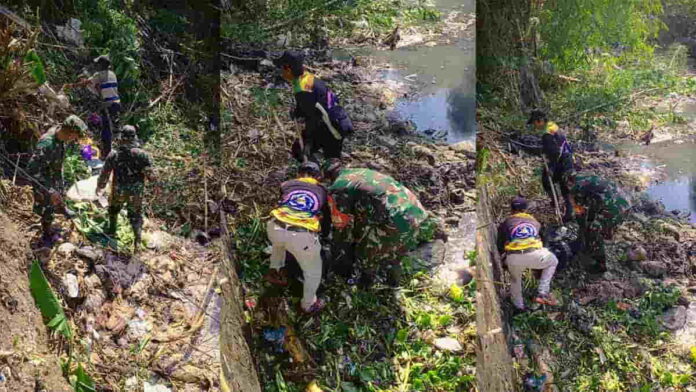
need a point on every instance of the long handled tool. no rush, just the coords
(302, 146)
(553, 193)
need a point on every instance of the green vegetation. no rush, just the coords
(606, 347)
(595, 64)
(376, 348)
(308, 21)
(47, 302)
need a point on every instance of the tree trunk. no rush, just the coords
(238, 367)
(494, 370)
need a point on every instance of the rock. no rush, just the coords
(71, 286)
(674, 318)
(655, 269)
(283, 40)
(94, 301)
(137, 329)
(388, 141)
(637, 253)
(371, 117)
(466, 275)
(89, 253)
(159, 240)
(66, 249)
(447, 344)
(92, 282)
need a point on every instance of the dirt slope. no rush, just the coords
(26, 361)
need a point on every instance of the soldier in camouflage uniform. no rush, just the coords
(46, 168)
(130, 165)
(601, 209)
(380, 217)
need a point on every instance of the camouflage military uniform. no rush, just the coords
(130, 166)
(46, 167)
(604, 206)
(388, 218)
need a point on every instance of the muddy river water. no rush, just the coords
(676, 160)
(442, 76)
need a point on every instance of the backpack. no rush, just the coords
(337, 114)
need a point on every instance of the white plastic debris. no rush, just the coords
(71, 32)
(86, 190)
(71, 286)
(448, 344)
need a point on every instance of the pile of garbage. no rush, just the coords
(151, 318)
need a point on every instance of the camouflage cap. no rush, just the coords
(128, 132)
(518, 203)
(102, 58)
(75, 123)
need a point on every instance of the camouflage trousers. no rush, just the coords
(43, 208)
(592, 235)
(375, 247)
(133, 202)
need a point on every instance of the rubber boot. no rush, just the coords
(137, 239)
(113, 221)
(394, 275)
(47, 235)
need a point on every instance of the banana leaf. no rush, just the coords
(47, 302)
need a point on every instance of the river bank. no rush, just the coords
(416, 337)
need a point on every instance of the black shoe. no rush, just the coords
(394, 275)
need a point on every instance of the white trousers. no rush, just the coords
(541, 259)
(305, 246)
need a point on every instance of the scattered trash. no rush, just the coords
(118, 273)
(276, 336)
(534, 383)
(448, 344)
(71, 285)
(313, 387)
(519, 351)
(637, 253)
(71, 32)
(137, 329)
(147, 387)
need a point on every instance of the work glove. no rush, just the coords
(56, 199)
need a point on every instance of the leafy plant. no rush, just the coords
(47, 302)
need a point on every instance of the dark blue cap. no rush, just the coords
(518, 203)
